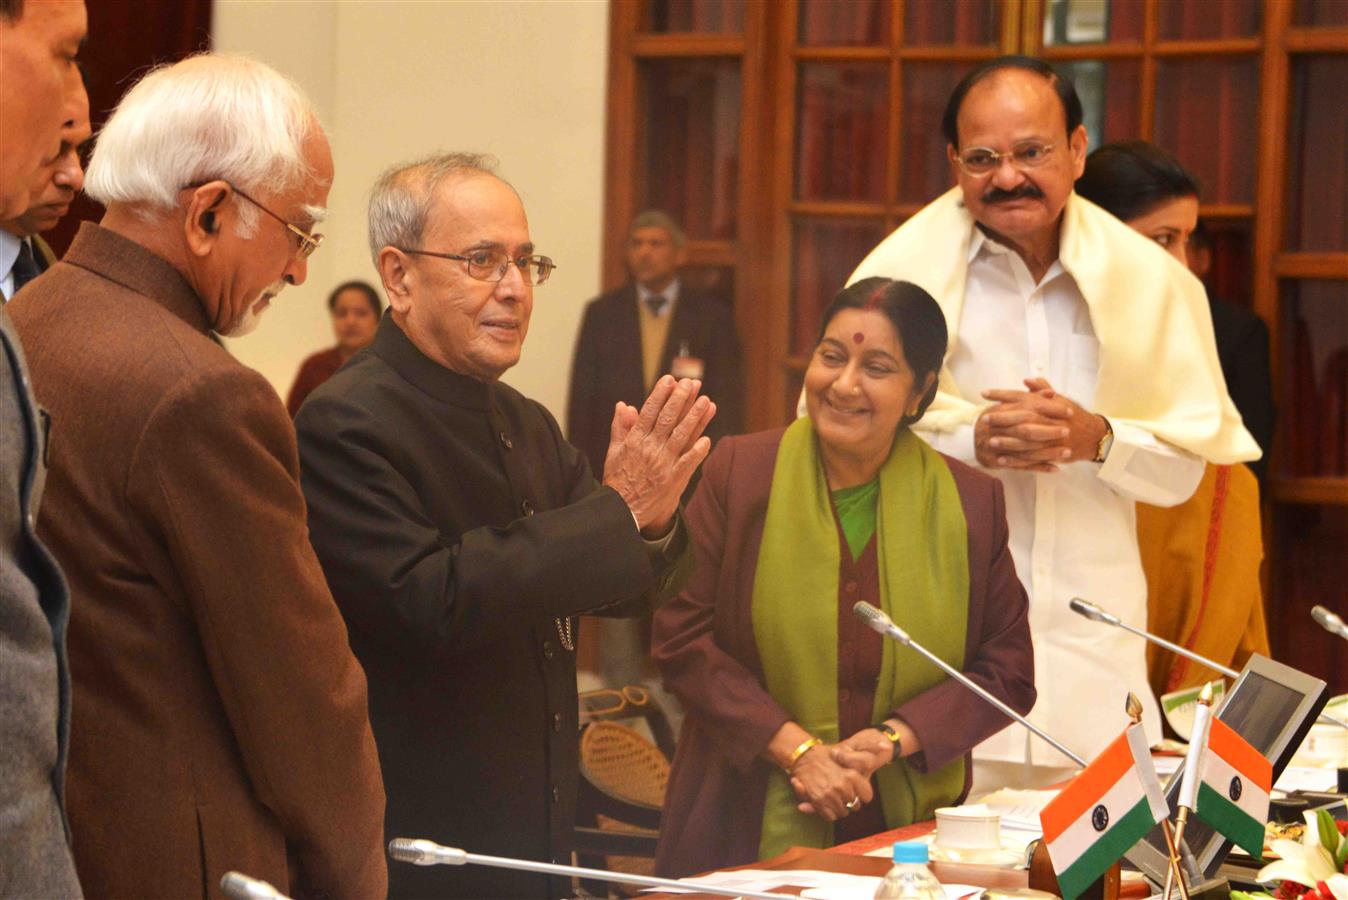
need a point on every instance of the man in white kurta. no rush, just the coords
(1082, 372)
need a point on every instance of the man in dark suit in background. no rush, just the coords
(629, 337)
(23, 254)
(1242, 350)
(649, 327)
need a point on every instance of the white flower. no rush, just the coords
(1307, 863)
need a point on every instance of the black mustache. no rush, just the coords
(1024, 192)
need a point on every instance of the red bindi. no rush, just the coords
(858, 338)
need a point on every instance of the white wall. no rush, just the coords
(523, 80)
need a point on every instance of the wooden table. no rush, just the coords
(851, 862)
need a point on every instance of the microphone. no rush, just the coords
(878, 621)
(425, 853)
(1099, 614)
(1329, 622)
(238, 886)
(422, 852)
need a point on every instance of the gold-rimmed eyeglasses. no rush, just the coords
(308, 242)
(490, 265)
(984, 161)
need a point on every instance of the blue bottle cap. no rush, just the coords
(910, 852)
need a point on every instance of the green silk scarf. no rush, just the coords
(923, 556)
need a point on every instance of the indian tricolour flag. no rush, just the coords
(1103, 812)
(1233, 790)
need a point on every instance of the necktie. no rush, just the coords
(655, 302)
(25, 266)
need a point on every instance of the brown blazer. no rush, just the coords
(219, 717)
(704, 647)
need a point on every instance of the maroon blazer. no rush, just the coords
(704, 647)
(315, 370)
(219, 716)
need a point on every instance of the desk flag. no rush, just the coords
(1233, 790)
(1102, 812)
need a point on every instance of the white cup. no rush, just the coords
(972, 827)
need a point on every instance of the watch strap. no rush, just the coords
(1106, 442)
(890, 732)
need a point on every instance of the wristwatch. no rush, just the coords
(890, 732)
(1106, 442)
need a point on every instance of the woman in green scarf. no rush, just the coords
(803, 726)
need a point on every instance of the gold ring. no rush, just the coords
(854, 803)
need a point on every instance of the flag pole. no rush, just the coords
(1193, 764)
(1175, 870)
(1134, 709)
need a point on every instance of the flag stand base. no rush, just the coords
(1210, 890)
(1043, 878)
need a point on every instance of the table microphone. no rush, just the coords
(1329, 622)
(238, 886)
(422, 852)
(1098, 614)
(878, 621)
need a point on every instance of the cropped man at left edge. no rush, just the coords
(40, 88)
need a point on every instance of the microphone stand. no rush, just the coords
(878, 621)
(428, 853)
(238, 886)
(1097, 613)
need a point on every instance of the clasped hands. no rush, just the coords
(654, 451)
(833, 780)
(1035, 430)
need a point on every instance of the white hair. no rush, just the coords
(400, 201)
(210, 116)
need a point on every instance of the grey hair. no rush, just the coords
(206, 117)
(658, 218)
(401, 200)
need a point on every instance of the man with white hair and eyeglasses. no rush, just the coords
(220, 718)
(462, 535)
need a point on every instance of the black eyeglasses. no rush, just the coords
(308, 242)
(491, 265)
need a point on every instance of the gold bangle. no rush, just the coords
(799, 752)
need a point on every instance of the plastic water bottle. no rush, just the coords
(910, 879)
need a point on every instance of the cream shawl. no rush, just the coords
(1158, 357)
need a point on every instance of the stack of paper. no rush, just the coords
(1019, 809)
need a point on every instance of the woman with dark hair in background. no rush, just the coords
(355, 309)
(1201, 558)
(1147, 188)
(803, 726)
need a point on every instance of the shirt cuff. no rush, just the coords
(656, 548)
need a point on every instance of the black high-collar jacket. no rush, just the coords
(456, 528)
